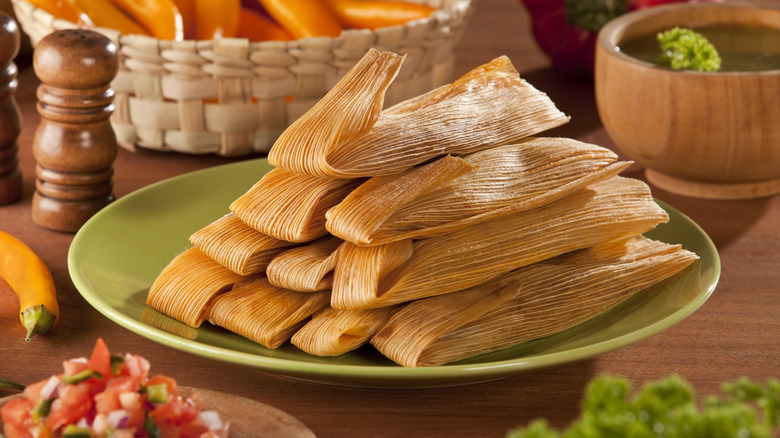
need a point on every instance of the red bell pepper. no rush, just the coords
(566, 30)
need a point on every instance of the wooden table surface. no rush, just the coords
(736, 332)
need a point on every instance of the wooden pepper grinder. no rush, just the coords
(74, 145)
(10, 120)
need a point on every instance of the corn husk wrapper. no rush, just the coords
(612, 209)
(360, 272)
(237, 246)
(452, 193)
(333, 332)
(546, 298)
(265, 313)
(308, 268)
(421, 322)
(290, 206)
(187, 285)
(348, 110)
(489, 106)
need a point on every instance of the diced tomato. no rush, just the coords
(73, 403)
(183, 414)
(107, 401)
(12, 431)
(75, 366)
(169, 411)
(137, 418)
(124, 384)
(189, 412)
(33, 391)
(16, 415)
(100, 360)
(168, 430)
(193, 430)
(186, 430)
(135, 365)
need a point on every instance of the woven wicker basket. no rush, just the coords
(233, 97)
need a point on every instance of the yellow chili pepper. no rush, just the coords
(32, 282)
(160, 17)
(105, 14)
(216, 19)
(65, 9)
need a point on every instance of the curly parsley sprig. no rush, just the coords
(668, 408)
(684, 49)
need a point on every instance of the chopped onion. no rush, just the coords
(130, 400)
(118, 419)
(211, 420)
(50, 387)
(100, 424)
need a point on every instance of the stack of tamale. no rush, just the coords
(437, 229)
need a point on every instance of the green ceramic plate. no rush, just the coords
(118, 253)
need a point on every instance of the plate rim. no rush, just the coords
(357, 375)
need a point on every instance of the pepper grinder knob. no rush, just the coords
(74, 145)
(10, 119)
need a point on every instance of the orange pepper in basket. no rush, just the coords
(160, 17)
(105, 14)
(374, 14)
(65, 9)
(216, 19)
(187, 11)
(303, 18)
(258, 27)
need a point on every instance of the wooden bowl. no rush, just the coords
(707, 135)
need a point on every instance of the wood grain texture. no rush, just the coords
(734, 333)
(74, 144)
(10, 123)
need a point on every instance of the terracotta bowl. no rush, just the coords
(707, 135)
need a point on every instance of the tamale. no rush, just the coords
(427, 319)
(264, 313)
(333, 332)
(546, 298)
(349, 109)
(487, 107)
(291, 206)
(237, 246)
(612, 209)
(306, 268)
(360, 271)
(187, 285)
(451, 193)
(368, 206)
